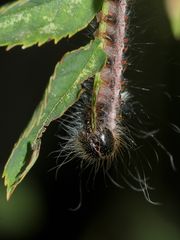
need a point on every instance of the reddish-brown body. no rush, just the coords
(115, 45)
(100, 137)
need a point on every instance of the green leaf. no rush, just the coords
(27, 22)
(173, 10)
(63, 90)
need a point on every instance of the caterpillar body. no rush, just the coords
(97, 135)
(102, 135)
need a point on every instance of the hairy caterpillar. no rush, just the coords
(97, 127)
(98, 139)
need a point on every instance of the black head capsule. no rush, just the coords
(98, 145)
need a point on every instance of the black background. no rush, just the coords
(106, 212)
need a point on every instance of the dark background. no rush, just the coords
(40, 206)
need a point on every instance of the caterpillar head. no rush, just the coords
(97, 145)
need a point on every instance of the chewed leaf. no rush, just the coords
(27, 22)
(63, 90)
